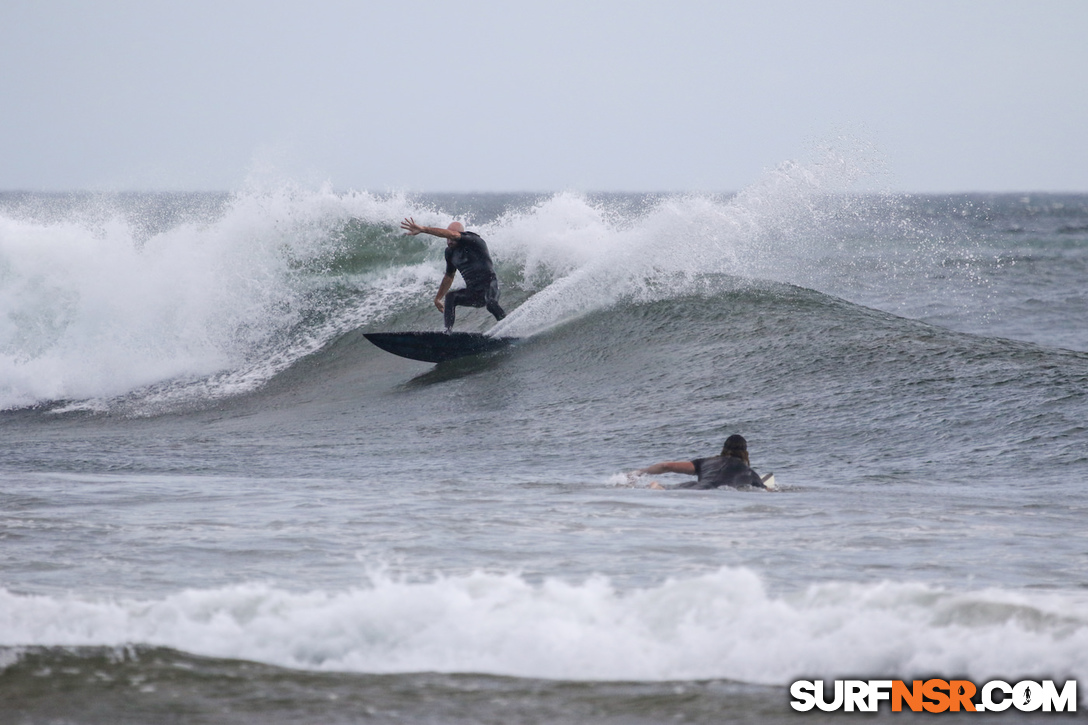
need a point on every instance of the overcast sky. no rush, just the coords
(539, 95)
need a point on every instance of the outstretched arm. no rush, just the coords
(411, 228)
(685, 467)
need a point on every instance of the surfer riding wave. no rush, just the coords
(466, 252)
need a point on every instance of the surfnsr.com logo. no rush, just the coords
(935, 696)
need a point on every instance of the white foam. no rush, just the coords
(90, 311)
(580, 257)
(720, 625)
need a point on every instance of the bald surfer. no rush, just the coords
(730, 468)
(466, 252)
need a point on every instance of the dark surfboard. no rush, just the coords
(435, 347)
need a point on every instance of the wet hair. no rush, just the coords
(736, 447)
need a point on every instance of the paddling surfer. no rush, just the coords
(730, 468)
(466, 252)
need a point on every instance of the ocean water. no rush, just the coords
(220, 504)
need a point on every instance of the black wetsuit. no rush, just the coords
(471, 258)
(722, 471)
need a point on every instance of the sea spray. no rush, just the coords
(93, 310)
